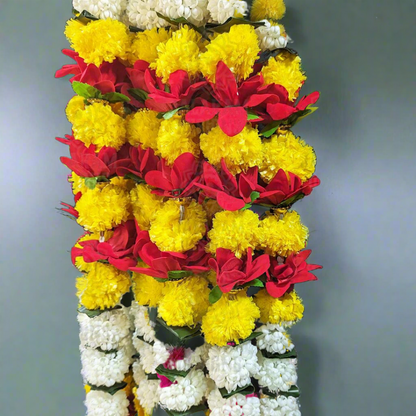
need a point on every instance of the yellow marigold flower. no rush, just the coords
(288, 308)
(234, 230)
(267, 9)
(75, 104)
(231, 319)
(126, 184)
(176, 137)
(283, 236)
(102, 287)
(181, 51)
(98, 41)
(142, 129)
(211, 207)
(137, 405)
(78, 183)
(285, 69)
(79, 261)
(147, 290)
(98, 125)
(170, 232)
(104, 208)
(87, 388)
(130, 383)
(240, 152)
(185, 302)
(238, 49)
(289, 153)
(145, 205)
(144, 44)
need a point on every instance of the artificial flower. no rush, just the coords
(240, 152)
(103, 208)
(284, 275)
(142, 128)
(232, 271)
(147, 291)
(102, 287)
(277, 375)
(144, 44)
(99, 125)
(178, 226)
(267, 9)
(99, 40)
(234, 230)
(177, 137)
(283, 236)
(100, 403)
(238, 49)
(284, 310)
(178, 181)
(145, 205)
(222, 10)
(232, 367)
(184, 302)
(181, 51)
(230, 319)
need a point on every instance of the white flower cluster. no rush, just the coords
(232, 367)
(221, 10)
(103, 9)
(195, 11)
(271, 37)
(236, 405)
(277, 375)
(274, 339)
(185, 392)
(281, 406)
(100, 403)
(106, 331)
(148, 394)
(144, 327)
(143, 14)
(105, 369)
(151, 356)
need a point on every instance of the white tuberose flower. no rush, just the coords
(105, 331)
(148, 394)
(274, 339)
(151, 356)
(236, 405)
(271, 37)
(185, 393)
(195, 11)
(221, 10)
(142, 14)
(100, 403)
(101, 369)
(232, 367)
(281, 406)
(277, 375)
(143, 325)
(103, 9)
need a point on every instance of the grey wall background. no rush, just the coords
(357, 341)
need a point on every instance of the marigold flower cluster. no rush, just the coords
(184, 168)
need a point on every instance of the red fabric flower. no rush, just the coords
(294, 270)
(232, 193)
(232, 101)
(117, 250)
(177, 181)
(161, 262)
(282, 188)
(85, 162)
(232, 271)
(105, 78)
(181, 90)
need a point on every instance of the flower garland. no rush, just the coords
(184, 169)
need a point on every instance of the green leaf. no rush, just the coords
(251, 115)
(266, 55)
(178, 274)
(309, 110)
(270, 129)
(135, 29)
(191, 411)
(246, 206)
(226, 26)
(289, 202)
(92, 313)
(84, 17)
(256, 283)
(139, 94)
(133, 177)
(293, 392)
(242, 390)
(271, 356)
(254, 195)
(171, 113)
(152, 376)
(253, 335)
(111, 390)
(107, 351)
(181, 332)
(90, 183)
(171, 374)
(85, 90)
(115, 97)
(178, 21)
(215, 295)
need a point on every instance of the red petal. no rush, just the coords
(259, 266)
(276, 290)
(229, 203)
(201, 114)
(280, 111)
(155, 178)
(123, 264)
(179, 82)
(105, 86)
(232, 120)
(308, 100)
(76, 167)
(225, 85)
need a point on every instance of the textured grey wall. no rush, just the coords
(358, 338)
